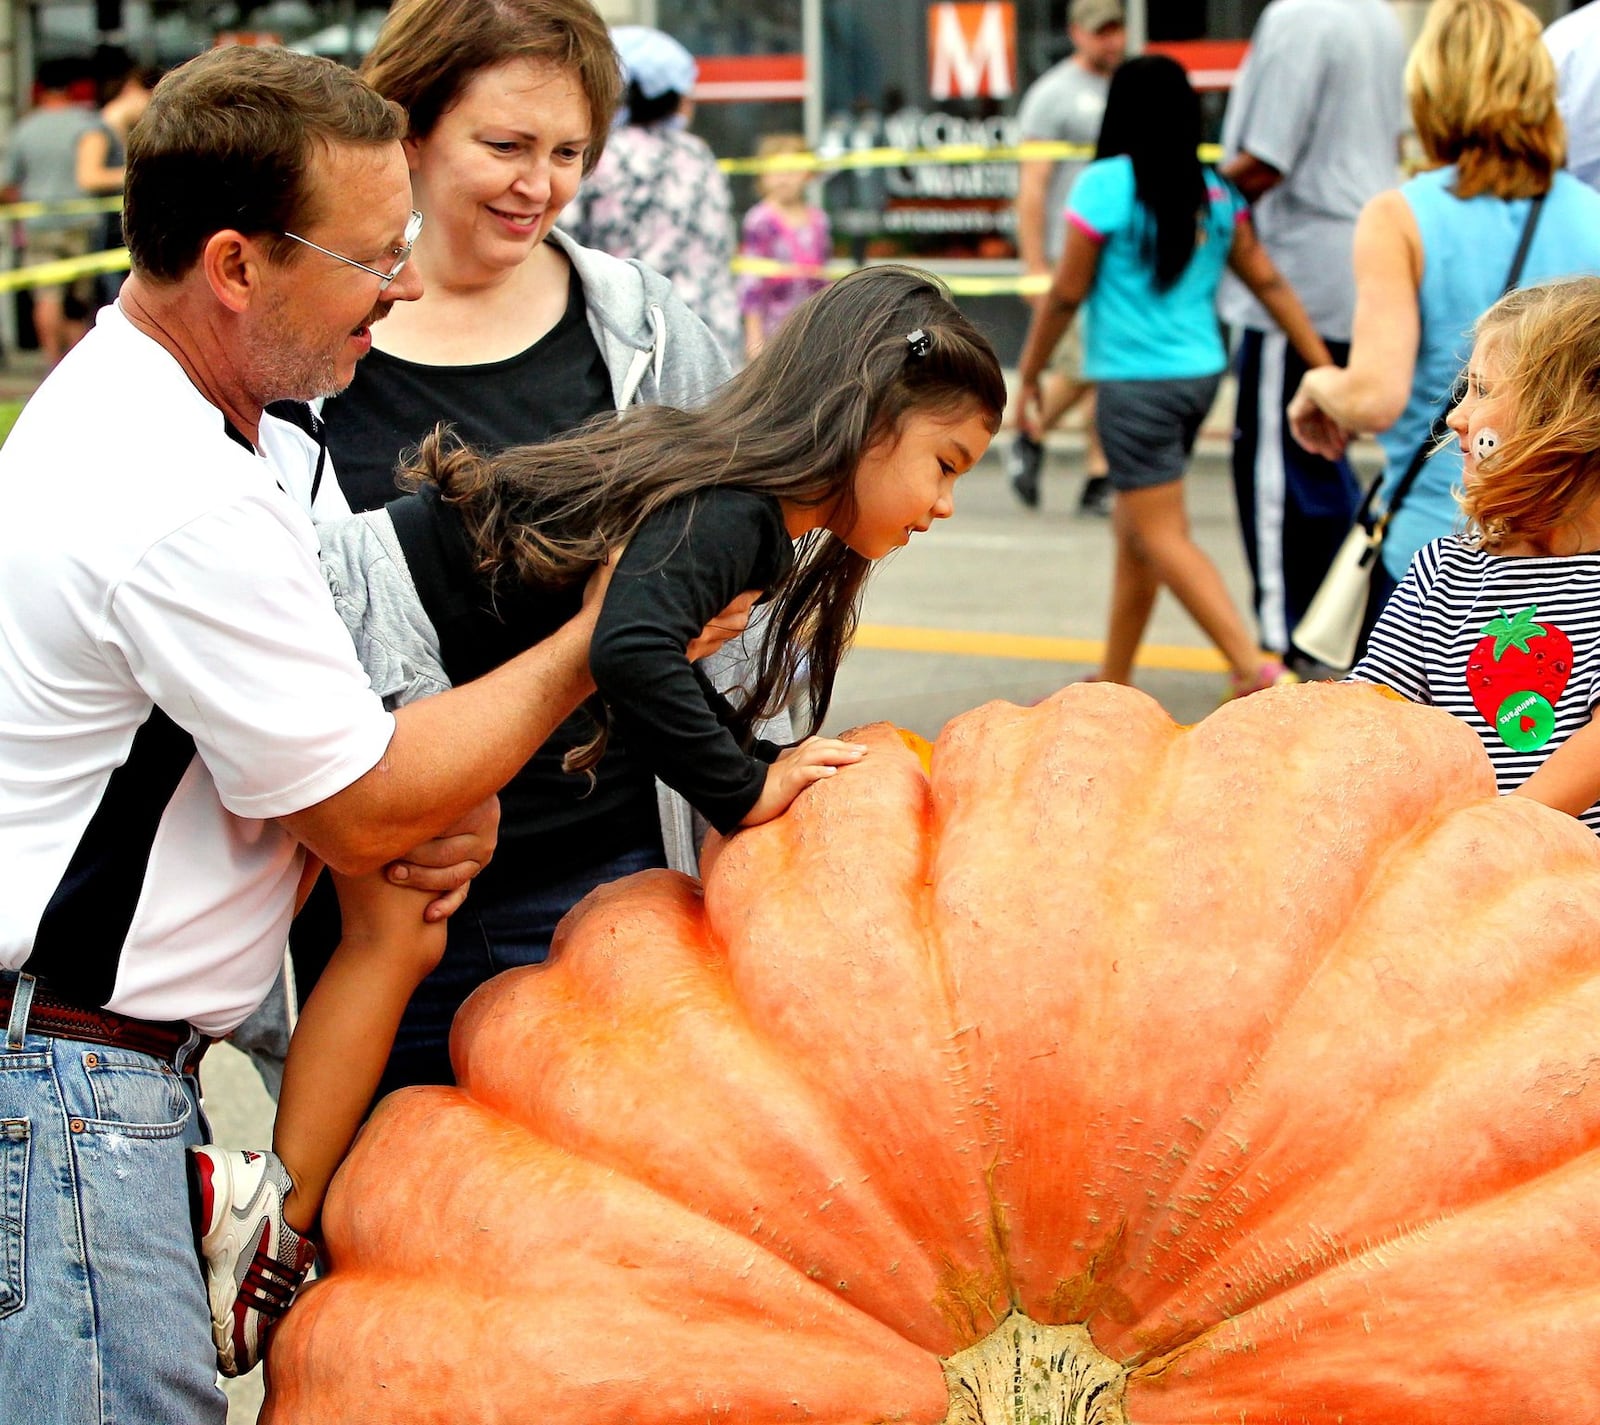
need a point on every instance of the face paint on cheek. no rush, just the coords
(1485, 443)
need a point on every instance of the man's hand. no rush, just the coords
(594, 591)
(447, 863)
(727, 625)
(796, 769)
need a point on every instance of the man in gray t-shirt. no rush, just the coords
(41, 166)
(1064, 105)
(1311, 133)
(1574, 45)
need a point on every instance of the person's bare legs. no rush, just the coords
(1158, 528)
(56, 332)
(1058, 395)
(343, 1038)
(1095, 464)
(1062, 396)
(1134, 586)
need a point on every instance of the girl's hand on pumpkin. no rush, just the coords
(795, 769)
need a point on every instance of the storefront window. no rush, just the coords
(880, 83)
(167, 32)
(915, 74)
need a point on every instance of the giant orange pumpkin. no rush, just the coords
(1115, 1072)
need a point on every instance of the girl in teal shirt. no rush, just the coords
(1149, 231)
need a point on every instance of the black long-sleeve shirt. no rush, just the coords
(686, 564)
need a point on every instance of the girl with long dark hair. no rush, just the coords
(831, 449)
(1149, 231)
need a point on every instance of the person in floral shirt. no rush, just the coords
(657, 194)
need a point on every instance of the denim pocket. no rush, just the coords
(14, 1142)
(135, 1096)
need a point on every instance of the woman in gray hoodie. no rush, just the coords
(520, 336)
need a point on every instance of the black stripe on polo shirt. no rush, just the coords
(310, 424)
(84, 927)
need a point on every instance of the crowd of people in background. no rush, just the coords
(64, 151)
(447, 497)
(1064, 105)
(1392, 276)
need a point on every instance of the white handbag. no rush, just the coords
(1331, 627)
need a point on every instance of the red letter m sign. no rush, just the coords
(972, 50)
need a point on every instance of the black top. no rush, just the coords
(550, 820)
(686, 563)
(554, 386)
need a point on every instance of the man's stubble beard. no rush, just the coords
(286, 371)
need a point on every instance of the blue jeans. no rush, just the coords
(103, 1313)
(508, 927)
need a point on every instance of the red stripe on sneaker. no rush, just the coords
(206, 1194)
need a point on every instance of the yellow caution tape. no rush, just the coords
(960, 284)
(899, 157)
(69, 269)
(66, 205)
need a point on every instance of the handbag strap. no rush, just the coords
(1436, 432)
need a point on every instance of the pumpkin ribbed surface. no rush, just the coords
(1264, 1050)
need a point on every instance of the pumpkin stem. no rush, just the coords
(1023, 1373)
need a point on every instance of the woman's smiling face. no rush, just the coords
(500, 165)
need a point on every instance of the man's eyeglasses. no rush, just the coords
(409, 241)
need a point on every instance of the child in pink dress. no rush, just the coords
(782, 227)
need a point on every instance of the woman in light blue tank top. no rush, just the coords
(1434, 254)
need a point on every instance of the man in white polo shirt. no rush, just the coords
(181, 709)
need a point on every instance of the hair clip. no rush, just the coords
(919, 342)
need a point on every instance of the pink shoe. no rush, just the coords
(1271, 674)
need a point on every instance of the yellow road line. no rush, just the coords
(1036, 648)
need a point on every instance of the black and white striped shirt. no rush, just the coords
(1511, 645)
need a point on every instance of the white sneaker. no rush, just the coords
(253, 1261)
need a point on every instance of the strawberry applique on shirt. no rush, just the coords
(1516, 674)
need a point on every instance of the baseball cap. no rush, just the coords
(654, 61)
(1094, 15)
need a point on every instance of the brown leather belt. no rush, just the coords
(51, 1015)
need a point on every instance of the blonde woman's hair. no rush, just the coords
(772, 145)
(1547, 468)
(1482, 88)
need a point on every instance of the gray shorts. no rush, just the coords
(1148, 428)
